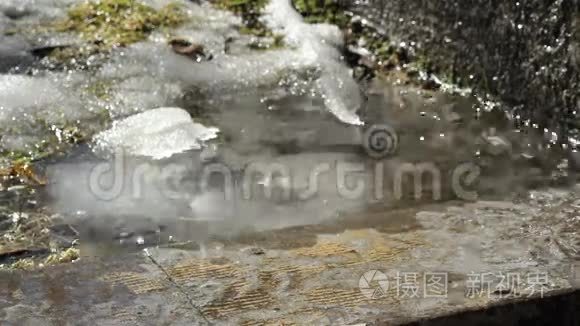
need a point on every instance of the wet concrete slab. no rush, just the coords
(425, 263)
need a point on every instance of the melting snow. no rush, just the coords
(317, 44)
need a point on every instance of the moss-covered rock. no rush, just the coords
(119, 22)
(401, 60)
(56, 139)
(322, 11)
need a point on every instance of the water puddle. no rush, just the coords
(295, 154)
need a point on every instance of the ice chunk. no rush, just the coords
(51, 98)
(32, 109)
(239, 72)
(157, 133)
(23, 91)
(33, 10)
(318, 43)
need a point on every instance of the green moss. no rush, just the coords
(66, 54)
(74, 57)
(322, 11)
(242, 6)
(278, 41)
(274, 42)
(250, 11)
(387, 55)
(111, 23)
(60, 256)
(101, 89)
(258, 29)
(57, 138)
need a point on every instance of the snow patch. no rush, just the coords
(22, 91)
(318, 44)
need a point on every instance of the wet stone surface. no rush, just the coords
(320, 269)
(117, 224)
